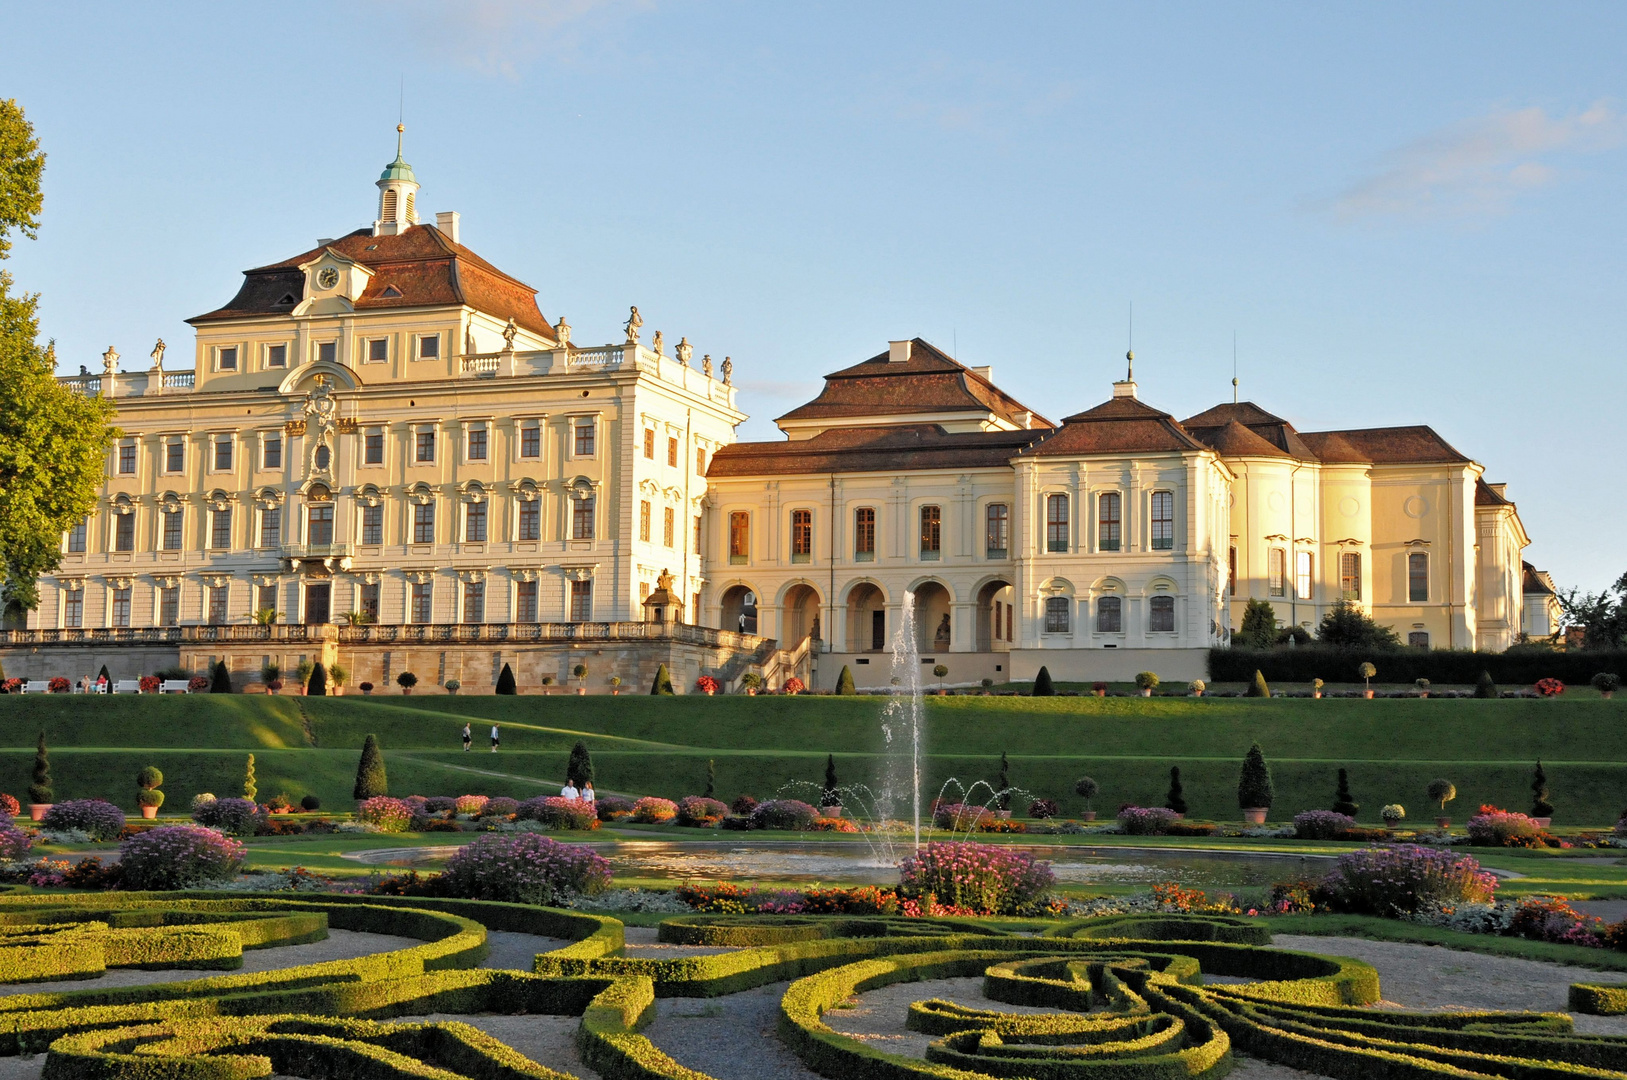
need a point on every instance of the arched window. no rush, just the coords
(1161, 615)
(1110, 615)
(1056, 523)
(388, 213)
(1056, 614)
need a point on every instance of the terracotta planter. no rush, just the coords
(1089, 815)
(1316, 693)
(367, 693)
(36, 811)
(1146, 693)
(751, 691)
(406, 691)
(1443, 823)
(1607, 694)
(1423, 693)
(830, 811)
(149, 812)
(709, 693)
(1542, 822)
(1368, 694)
(284, 810)
(1197, 693)
(615, 691)
(1099, 693)
(1004, 814)
(582, 691)
(1255, 815)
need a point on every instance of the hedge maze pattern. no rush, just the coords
(1123, 998)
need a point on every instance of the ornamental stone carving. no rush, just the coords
(508, 336)
(579, 573)
(524, 573)
(658, 345)
(117, 582)
(322, 422)
(419, 577)
(684, 351)
(472, 574)
(71, 584)
(167, 581)
(634, 321)
(562, 332)
(728, 370)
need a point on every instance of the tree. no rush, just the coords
(711, 779)
(220, 680)
(1540, 806)
(1175, 799)
(40, 790)
(844, 682)
(1602, 616)
(406, 680)
(505, 681)
(1484, 687)
(318, 684)
(1348, 625)
(1254, 783)
(662, 686)
(1258, 687)
(250, 787)
(1259, 630)
(1441, 791)
(1042, 684)
(1087, 789)
(53, 440)
(148, 781)
(1002, 783)
(829, 796)
(579, 770)
(371, 780)
(1343, 801)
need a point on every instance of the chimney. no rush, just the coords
(447, 222)
(986, 371)
(1500, 489)
(898, 352)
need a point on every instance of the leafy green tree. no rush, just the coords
(1602, 616)
(1087, 789)
(1259, 629)
(1176, 798)
(53, 440)
(40, 790)
(505, 681)
(1254, 782)
(844, 682)
(1347, 624)
(250, 787)
(579, 770)
(662, 686)
(371, 778)
(220, 679)
(317, 685)
(1343, 801)
(1042, 684)
(1441, 791)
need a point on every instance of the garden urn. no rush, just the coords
(830, 811)
(1099, 693)
(751, 691)
(1089, 815)
(1368, 694)
(1255, 815)
(149, 812)
(1542, 822)
(36, 811)
(709, 693)
(581, 691)
(1004, 814)
(1146, 691)
(1316, 694)
(1443, 823)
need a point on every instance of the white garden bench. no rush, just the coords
(127, 686)
(174, 686)
(37, 686)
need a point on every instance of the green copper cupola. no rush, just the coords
(398, 194)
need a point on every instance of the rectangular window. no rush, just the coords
(378, 350)
(1163, 520)
(423, 523)
(276, 356)
(1110, 615)
(1109, 521)
(700, 460)
(1056, 523)
(931, 532)
(174, 456)
(426, 446)
(739, 536)
(697, 534)
(370, 601)
(319, 524)
(1056, 614)
(127, 458)
(223, 453)
(644, 520)
(531, 520)
(582, 601)
(1275, 569)
(998, 606)
(801, 535)
(228, 359)
(1302, 575)
(121, 607)
(124, 532)
(1418, 639)
(265, 599)
(217, 605)
(474, 601)
(584, 438)
(73, 609)
(220, 529)
(649, 443)
(997, 539)
(531, 441)
(1161, 615)
(1350, 575)
(669, 526)
(420, 601)
(373, 448)
(477, 444)
(525, 601)
(474, 523)
(328, 351)
(372, 524)
(271, 458)
(582, 519)
(1418, 577)
(429, 348)
(1231, 570)
(169, 606)
(172, 530)
(864, 534)
(76, 536)
(672, 452)
(271, 527)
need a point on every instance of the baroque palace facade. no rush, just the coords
(383, 454)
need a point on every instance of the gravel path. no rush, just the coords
(516, 952)
(730, 1038)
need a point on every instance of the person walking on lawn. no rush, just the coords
(494, 738)
(468, 738)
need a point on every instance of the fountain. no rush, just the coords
(903, 716)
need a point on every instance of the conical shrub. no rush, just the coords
(318, 686)
(663, 682)
(505, 681)
(844, 682)
(1042, 684)
(371, 780)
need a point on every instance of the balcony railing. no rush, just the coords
(315, 551)
(157, 635)
(180, 380)
(522, 633)
(482, 364)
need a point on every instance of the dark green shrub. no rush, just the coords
(318, 684)
(1258, 687)
(1002, 783)
(829, 796)
(220, 680)
(1175, 799)
(1484, 687)
(1343, 802)
(1254, 783)
(1540, 806)
(310, 802)
(40, 790)
(580, 767)
(1259, 629)
(371, 780)
(505, 681)
(662, 687)
(711, 779)
(1042, 684)
(844, 682)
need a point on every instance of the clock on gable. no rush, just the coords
(327, 278)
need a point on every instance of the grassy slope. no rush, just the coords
(643, 744)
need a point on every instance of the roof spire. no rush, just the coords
(398, 193)
(1126, 387)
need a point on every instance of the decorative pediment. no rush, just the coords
(525, 490)
(419, 577)
(369, 496)
(472, 574)
(170, 501)
(122, 504)
(215, 580)
(71, 584)
(582, 572)
(269, 498)
(368, 577)
(420, 494)
(581, 488)
(217, 500)
(472, 491)
(117, 582)
(167, 581)
(266, 580)
(524, 573)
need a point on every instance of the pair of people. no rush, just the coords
(569, 791)
(468, 738)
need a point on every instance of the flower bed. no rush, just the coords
(471, 805)
(96, 818)
(500, 807)
(700, 812)
(1405, 878)
(783, 814)
(524, 868)
(558, 813)
(1494, 827)
(977, 877)
(1145, 820)
(385, 814)
(1322, 824)
(958, 817)
(653, 811)
(234, 816)
(179, 857)
(614, 807)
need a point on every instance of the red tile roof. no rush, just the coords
(1273, 429)
(1121, 425)
(1418, 445)
(872, 449)
(1533, 580)
(422, 266)
(1484, 495)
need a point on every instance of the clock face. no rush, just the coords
(328, 278)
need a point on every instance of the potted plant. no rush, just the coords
(706, 685)
(581, 673)
(1550, 687)
(1099, 689)
(453, 685)
(147, 794)
(279, 804)
(615, 686)
(271, 675)
(1423, 687)
(752, 681)
(366, 689)
(1146, 682)
(1087, 789)
(1393, 814)
(547, 685)
(302, 672)
(1606, 682)
(1316, 688)
(1197, 687)
(40, 793)
(1254, 790)
(986, 683)
(1367, 671)
(940, 671)
(794, 686)
(1442, 792)
(338, 675)
(406, 680)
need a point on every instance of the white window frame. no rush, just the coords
(418, 341)
(237, 358)
(1053, 604)
(215, 439)
(316, 350)
(265, 355)
(367, 350)
(469, 429)
(575, 421)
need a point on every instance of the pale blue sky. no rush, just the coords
(1408, 213)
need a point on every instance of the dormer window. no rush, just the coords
(390, 292)
(288, 298)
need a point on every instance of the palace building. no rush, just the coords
(382, 454)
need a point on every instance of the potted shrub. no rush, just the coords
(366, 689)
(279, 804)
(1542, 811)
(706, 685)
(406, 680)
(302, 672)
(752, 681)
(1393, 814)
(581, 673)
(830, 796)
(1087, 789)
(147, 794)
(338, 675)
(40, 794)
(1146, 682)
(1197, 687)
(1606, 682)
(271, 676)
(1423, 687)
(547, 685)
(940, 671)
(453, 686)
(1316, 688)
(1367, 671)
(1254, 791)
(986, 683)
(1442, 792)
(1098, 688)
(615, 686)
(1175, 798)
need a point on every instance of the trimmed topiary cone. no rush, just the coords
(1042, 684)
(1254, 791)
(40, 793)
(663, 683)
(579, 770)
(844, 682)
(318, 686)
(371, 780)
(1258, 687)
(505, 681)
(1343, 802)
